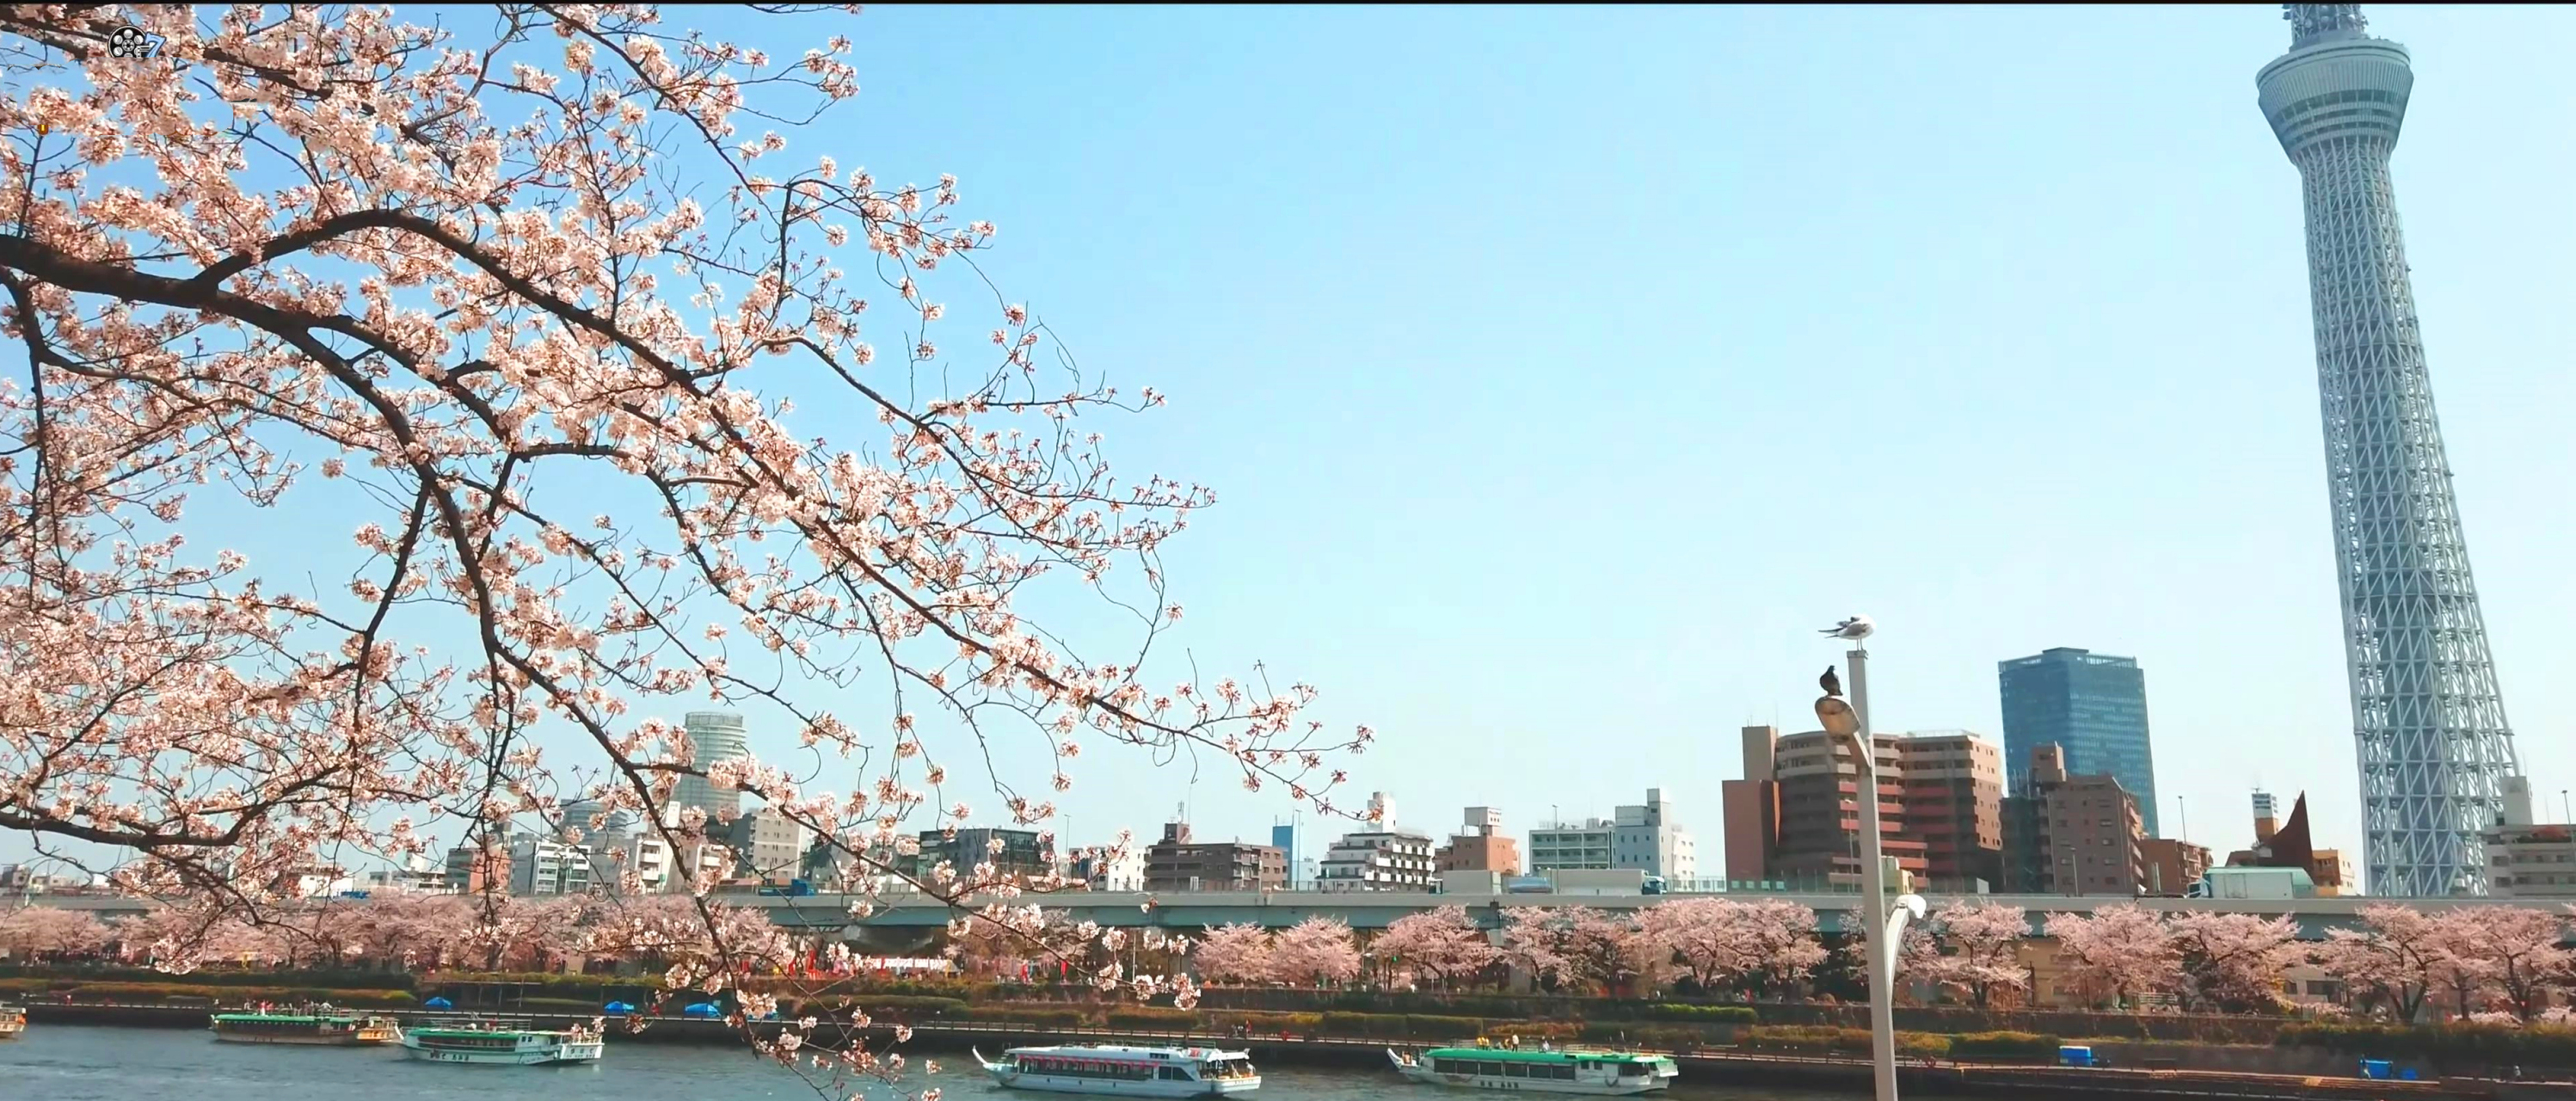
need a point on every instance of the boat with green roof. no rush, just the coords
(482, 1042)
(1545, 1070)
(318, 1025)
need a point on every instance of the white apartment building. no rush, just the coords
(770, 846)
(539, 866)
(2527, 859)
(1644, 837)
(1382, 859)
(615, 854)
(1100, 872)
(1563, 847)
(418, 874)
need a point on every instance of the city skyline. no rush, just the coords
(2052, 377)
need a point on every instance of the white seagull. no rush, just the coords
(1856, 627)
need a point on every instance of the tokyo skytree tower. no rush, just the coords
(2428, 722)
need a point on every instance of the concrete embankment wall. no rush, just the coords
(2146, 1070)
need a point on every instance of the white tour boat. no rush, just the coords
(1125, 1071)
(1605, 1073)
(13, 1021)
(475, 1042)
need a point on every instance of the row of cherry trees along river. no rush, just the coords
(2464, 961)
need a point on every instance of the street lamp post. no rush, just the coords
(1879, 928)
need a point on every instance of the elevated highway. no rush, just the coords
(1280, 909)
(917, 916)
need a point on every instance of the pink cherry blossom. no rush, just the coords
(1442, 944)
(2122, 953)
(1314, 952)
(1238, 954)
(44, 931)
(545, 295)
(2234, 962)
(2391, 961)
(1970, 946)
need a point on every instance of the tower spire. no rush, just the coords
(2309, 22)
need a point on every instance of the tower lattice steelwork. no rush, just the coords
(2429, 724)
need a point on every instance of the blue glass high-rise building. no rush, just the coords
(1283, 837)
(2093, 705)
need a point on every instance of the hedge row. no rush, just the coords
(1923, 1045)
(2004, 1045)
(2538, 1045)
(210, 976)
(1713, 1014)
(906, 1007)
(139, 993)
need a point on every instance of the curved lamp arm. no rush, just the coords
(1905, 908)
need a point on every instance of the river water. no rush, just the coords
(86, 1063)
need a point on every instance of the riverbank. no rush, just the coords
(1824, 1073)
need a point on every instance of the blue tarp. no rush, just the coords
(438, 1003)
(2375, 1069)
(703, 1009)
(618, 1009)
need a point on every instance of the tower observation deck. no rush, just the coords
(2428, 722)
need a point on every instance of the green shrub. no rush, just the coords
(1806, 1038)
(1624, 1034)
(141, 993)
(2535, 1045)
(1390, 1026)
(1158, 1018)
(2004, 1045)
(1712, 1014)
(1925, 1045)
(1423, 1026)
(1261, 1023)
(897, 1006)
(1009, 1013)
(210, 976)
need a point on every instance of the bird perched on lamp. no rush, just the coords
(1832, 682)
(1854, 628)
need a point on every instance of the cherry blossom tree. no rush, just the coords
(2234, 962)
(2516, 949)
(1770, 944)
(1443, 943)
(1784, 944)
(1607, 951)
(1315, 951)
(40, 931)
(527, 312)
(1971, 946)
(2392, 959)
(1238, 953)
(2123, 951)
(1534, 940)
(1703, 934)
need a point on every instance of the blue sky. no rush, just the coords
(1561, 370)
